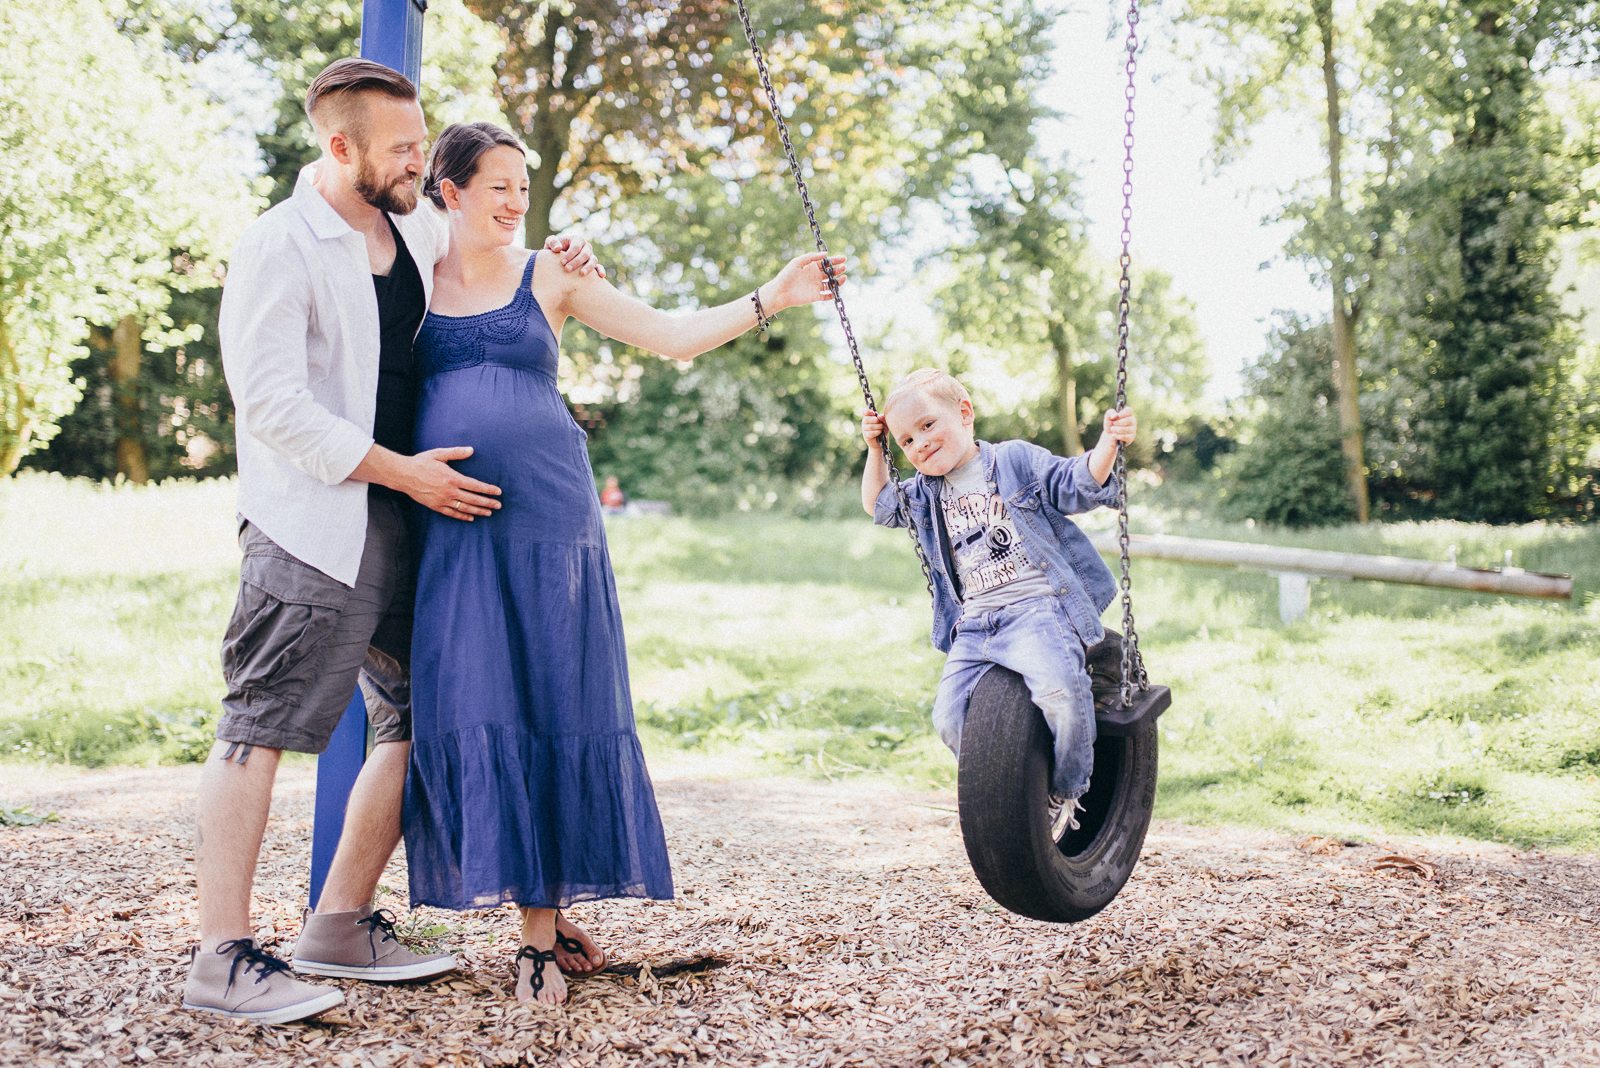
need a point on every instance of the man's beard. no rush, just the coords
(399, 197)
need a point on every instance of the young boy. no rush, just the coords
(1016, 583)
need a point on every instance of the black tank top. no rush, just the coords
(402, 303)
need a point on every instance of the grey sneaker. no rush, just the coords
(1063, 815)
(361, 945)
(241, 982)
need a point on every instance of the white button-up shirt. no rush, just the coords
(300, 338)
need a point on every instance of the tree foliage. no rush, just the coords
(1029, 312)
(1479, 352)
(1436, 235)
(98, 220)
(876, 128)
(1031, 317)
(751, 418)
(1290, 473)
(1293, 53)
(176, 414)
(182, 413)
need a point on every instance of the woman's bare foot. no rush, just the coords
(539, 936)
(587, 959)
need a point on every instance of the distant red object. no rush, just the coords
(612, 496)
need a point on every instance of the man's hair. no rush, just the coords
(334, 100)
(457, 153)
(929, 381)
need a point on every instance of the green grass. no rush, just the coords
(764, 643)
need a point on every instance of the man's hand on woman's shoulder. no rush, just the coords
(575, 254)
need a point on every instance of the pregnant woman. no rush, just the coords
(527, 781)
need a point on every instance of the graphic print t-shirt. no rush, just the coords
(985, 543)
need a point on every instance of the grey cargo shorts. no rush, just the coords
(299, 642)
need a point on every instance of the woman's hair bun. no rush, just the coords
(430, 189)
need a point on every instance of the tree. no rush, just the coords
(1031, 305)
(1028, 298)
(613, 95)
(714, 212)
(753, 418)
(164, 410)
(1479, 348)
(1281, 54)
(98, 221)
(1027, 276)
(177, 410)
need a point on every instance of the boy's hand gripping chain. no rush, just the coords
(902, 506)
(1133, 673)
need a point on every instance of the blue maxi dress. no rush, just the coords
(527, 782)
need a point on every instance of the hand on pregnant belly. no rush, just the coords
(447, 491)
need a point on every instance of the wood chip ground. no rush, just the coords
(829, 925)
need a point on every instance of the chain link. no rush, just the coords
(1133, 673)
(902, 505)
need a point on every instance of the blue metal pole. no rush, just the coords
(337, 769)
(391, 34)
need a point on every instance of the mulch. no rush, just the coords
(821, 925)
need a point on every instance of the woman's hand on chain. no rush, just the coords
(802, 281)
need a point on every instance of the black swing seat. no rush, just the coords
(1125, 721)
(1111, 716)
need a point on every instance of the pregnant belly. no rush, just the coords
(524, 441)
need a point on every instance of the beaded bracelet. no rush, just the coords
(762, 319)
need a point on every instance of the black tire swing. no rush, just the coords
(1003, 775)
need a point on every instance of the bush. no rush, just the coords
(1291, 471)
(740, 428)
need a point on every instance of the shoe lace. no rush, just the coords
(380, 920)
(1063, 813)
(1073, 808)
(245, 952)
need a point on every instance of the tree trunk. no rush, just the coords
(1066, 391)
(548, 133)
(13, 439)
(1346, 374)
(1348, 383)
(129, 342)
(542, 190)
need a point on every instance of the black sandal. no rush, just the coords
(540, 958)
(572, 945)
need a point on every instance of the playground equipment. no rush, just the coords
(1296, 569)
(1006, 747)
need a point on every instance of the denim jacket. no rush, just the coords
(1040, 490)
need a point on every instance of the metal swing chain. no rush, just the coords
(1133, 673)
(902, 505)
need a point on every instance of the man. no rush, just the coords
(324, 298)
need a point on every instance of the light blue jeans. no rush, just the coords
(1035, 639)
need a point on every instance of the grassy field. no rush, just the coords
(761, 643)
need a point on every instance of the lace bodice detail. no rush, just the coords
(449, 343)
